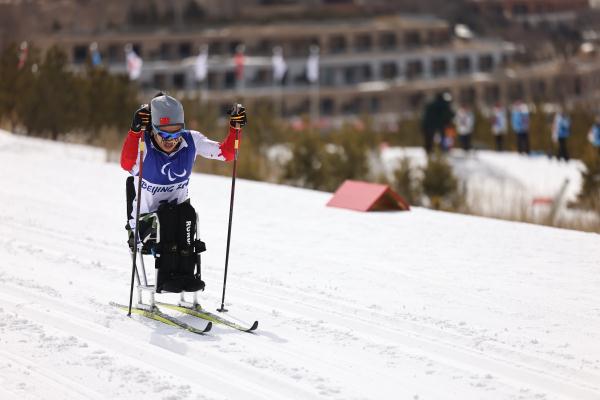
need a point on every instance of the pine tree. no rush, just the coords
(51, 104)
(14, 83)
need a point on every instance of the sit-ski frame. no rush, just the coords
(142, 284)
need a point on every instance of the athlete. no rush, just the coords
(168, 159)
(170, 151)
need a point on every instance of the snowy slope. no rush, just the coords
(502, 184)
(416, 305)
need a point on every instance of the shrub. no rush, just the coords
(406, 183)
(439, 183)
(589, 197)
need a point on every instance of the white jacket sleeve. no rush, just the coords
(205, 147)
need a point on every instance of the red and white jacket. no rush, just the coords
(165, 176)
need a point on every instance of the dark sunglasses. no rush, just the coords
(167, 135)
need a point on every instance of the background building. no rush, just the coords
(371, 63)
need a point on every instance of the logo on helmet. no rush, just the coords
(165, 120)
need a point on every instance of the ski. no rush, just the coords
(159, 316)
(199, 312)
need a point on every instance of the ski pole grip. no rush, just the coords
(236, 109)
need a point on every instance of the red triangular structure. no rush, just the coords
(364, 196)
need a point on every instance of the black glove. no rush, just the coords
(237, 116)
(141, 118)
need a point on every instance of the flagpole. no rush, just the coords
(239, 62)
(315, 104)
(314, 79)
(202, 74)
(279, 100)
(279, 69)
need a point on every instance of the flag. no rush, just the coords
(312, 65)
(201, 66)
(239, 61)
(279, 65)
(95, 54)
(23, 52)
(134, 63)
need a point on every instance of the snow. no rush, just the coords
(408, 305)
(504, 184)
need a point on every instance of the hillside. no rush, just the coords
(415, 305)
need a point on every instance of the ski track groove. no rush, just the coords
(58, 382)
(450, 353)
(434, 278)
(419, 338)
(353, 311)
(259, 392)
(439, 280)
(358, 385)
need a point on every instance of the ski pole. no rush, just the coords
(137, 219)
(236, 146)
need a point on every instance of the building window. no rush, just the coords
(416, 100)
(264, 47)
(300, 47)
(414, 69)
(233, 46)
(387, 41)
(230, 80)
(350, 75)
(374, 104)
(165, 51)
(463, 65)
(327, 106)
(185, 50)
(179, 81)
(412, 39)
(262, 77)
(515, 91)
(389, 70)
(352, 106)
(486, 63)
(363, 43)
(519, 9)
(328, 76)
(80, 54)
(366, 73)
(439, 67)
(467, 96)
(337, 44)
(213, 80)
(159, 81)
(538, 90)
(303, 107)
(215, 48)
(138, 49)
(439, 37)
(114, 53)
(492, 94)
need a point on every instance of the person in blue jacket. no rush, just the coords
(519, 119)
(594, 135)
(561, 130)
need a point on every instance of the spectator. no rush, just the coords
(594, 134)
(561, 129)
(520, 124)
(499, 125)
(465, 122)
(437, 116)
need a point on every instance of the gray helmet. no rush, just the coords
(166, 110)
